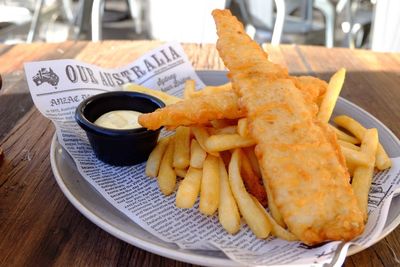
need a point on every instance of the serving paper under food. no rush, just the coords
(58, 86)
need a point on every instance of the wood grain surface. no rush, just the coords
(39, 227)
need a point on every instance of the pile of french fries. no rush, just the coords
(217, 163)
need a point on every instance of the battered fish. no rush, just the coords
(312, 88)
(221, 105)
(300, 159)
(198, 110)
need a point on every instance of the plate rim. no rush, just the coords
(185, 255)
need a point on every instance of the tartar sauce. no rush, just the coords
(119, 119)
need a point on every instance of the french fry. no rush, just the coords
(166, 98)
(348, 145)
(201, 135)
(228, 212)
(189, 189)
(355, 157)
(276, 229)
(242, 127)
(344, 136)
(190, 87)
(226, 130)
(382, 159)
(166, 176)
(331, 95)
(362, 177)
(351, 165)
(251, 155)
(180, 172)
(252, 181)
(212, 89)
(222, 142)
(197, 155)
(154, 160)
(255, 219)
(182, 148)
(350, 168)
(209, 193)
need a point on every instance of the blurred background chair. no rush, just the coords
(136, 10)
(20, 20)
(296, 17)
(356, 21)
(12, 16)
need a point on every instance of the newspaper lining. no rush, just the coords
(58, 86)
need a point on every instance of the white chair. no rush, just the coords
(135, 9)
(20, 14)
(14, 14)
(260, 16)
(66, 11)
(13, 17)
(328, 10)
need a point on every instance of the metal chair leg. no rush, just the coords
(327, 8)
(97, 15)
(67, 11)
(35, 21)
(279, 22)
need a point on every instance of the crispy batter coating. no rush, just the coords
(299, 157)
(312, 88)
(221, 104)
(198, 110)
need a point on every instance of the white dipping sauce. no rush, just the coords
(119, 119)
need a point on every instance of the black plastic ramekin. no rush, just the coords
(112, 146)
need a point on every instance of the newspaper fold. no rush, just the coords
(57, 87)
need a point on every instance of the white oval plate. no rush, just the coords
(94, 207)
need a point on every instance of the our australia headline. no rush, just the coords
(133, 74)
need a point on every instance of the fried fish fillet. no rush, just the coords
(220, 104)
(312, 88)
(300, 159)
(198, 110)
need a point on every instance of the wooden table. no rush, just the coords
(38, 226)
